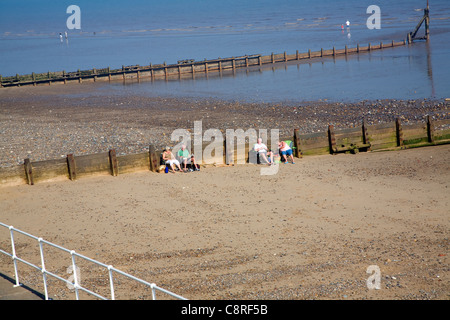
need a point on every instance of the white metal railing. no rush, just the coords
(76, 285)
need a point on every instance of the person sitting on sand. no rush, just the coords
(263, 152)
(183, 155)
(170, 160)
(286, 151)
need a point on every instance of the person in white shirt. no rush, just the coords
(262, 151)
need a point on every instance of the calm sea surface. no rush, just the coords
(115, 33)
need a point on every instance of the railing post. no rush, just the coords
(75, 274)
(111, 282)
(152, 286)
(44, 271)
(16, 273)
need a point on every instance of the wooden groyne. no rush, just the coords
(386, 136)
(183, 68)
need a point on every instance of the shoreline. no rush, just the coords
(45, 123)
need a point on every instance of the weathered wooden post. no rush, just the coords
(154, 160)
(331, 139)
(79, 76)
(309, 53)
(28, 171)
(109, 73)
(357, 48)
(298, 151)
(430, 129)
(259, 60)
(285, 57)
(398, 132)
(113, 162)
(321, 52)
(71, 166)
(365, 134)
(427, 21)
(273, 58)
(334, 51)
(1, 80)
(346, 50)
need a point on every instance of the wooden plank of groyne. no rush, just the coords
(414, 133)
(12, 176)
(133, 162)
(50, 170)
(314, 143)
(98, 163)
(382, 136)
(350, 139)
(441, 129)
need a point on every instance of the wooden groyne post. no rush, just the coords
(425, 19)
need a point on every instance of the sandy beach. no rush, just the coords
(308, 232)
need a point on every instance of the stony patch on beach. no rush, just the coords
(45, 123)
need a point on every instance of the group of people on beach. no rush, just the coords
(183, 158)
(184, 161)
(267, 156)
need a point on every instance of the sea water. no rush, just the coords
(139, 32)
